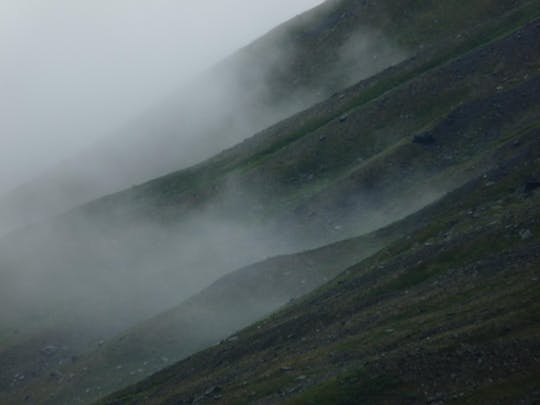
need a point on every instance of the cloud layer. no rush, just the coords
(73, 72)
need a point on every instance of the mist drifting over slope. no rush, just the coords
(73, 76)
(73, 72)
(108, 264)
(100, 264)
(211, 109)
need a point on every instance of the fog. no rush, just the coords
(100, 97)
(96, 103)
(73, 72)
(107, 95)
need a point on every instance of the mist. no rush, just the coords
(74, 72)
(90, 115)
(116, 95)
(98, 100)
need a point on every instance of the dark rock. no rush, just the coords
(525, 234)
(424, 139)
(49, 350)
(212, 391)
(531, 186)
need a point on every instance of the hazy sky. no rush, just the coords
(72, 71)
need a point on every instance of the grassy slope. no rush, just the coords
(475, 116)
(380, 105)
(382, 140)
(318, 35)
(313, 66)
(232, 302)
(447, 312)
(464, 120)
(285, 155)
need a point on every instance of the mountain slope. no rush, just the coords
(374, 153)
(230, 303)
(447, 313)
(472, 133)
(295, 65)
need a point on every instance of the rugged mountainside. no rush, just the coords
(433, 298)
(232, 302)
(235, 99)
(447, 313)
(445, 143)
(301, 62)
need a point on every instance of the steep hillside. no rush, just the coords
(448, 313)
(371, 154)
(297, 64)
(232, 302)
(308, 152)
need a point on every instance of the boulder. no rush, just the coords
(424, 139)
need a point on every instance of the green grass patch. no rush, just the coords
(354, 388)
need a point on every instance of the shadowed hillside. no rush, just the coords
(447, 313)
(431, 162)
(299, 63)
